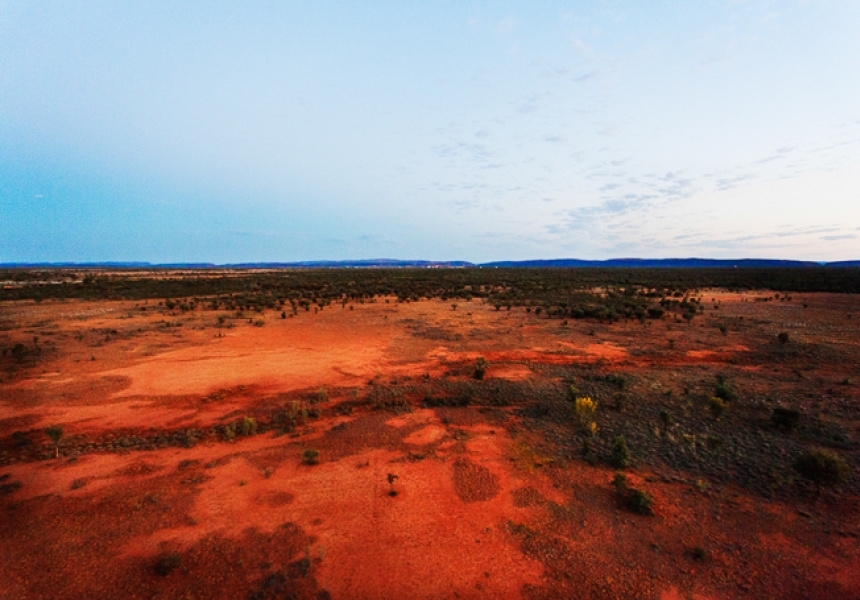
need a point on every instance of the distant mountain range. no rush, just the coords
(428, 264)
(672, 263)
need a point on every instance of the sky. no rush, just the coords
(442, 130)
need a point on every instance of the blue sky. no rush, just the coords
(278, 131)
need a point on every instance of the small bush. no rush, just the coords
(617, 380)
(635, 500)
(20, 352)
(783, 337)
(724, 391)
(699, 553)
(640, 502)
(620, 453)
(718, 407)
(588, 452)
(310, 457)
(714, 442)
(8, 488)
(305, 562)
(822, 467)
(480, 368)
(167, 563)
(584, 408)
(228, 433)
(20, 439)
(785, 419)
(248, 426)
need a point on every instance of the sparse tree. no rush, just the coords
(55, 432)
(620, 453)
(310, 457)
(480, 368)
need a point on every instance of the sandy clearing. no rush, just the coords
(425, 436)
(370, 545)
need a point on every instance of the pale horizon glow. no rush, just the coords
(285, 131)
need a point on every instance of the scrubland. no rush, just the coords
(404, 434)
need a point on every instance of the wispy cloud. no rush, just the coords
(585, 77)
(729, 183)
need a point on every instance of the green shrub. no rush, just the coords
(620, 453)
(588, 452)
(167, 563)
(617, 380)
(310, 457)
(20, 439)
(635, 500)
(723, 390)
(228, 433)
(783, 337)
(480, 368)
(640, 502)
(718, 407)
(822, 467)
(248, 426)
(20, 352)
(55, 433)
(785, 419)
(8, 488)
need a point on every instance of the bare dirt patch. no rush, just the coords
(474, 483)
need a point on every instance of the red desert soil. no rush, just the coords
(487, 501)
